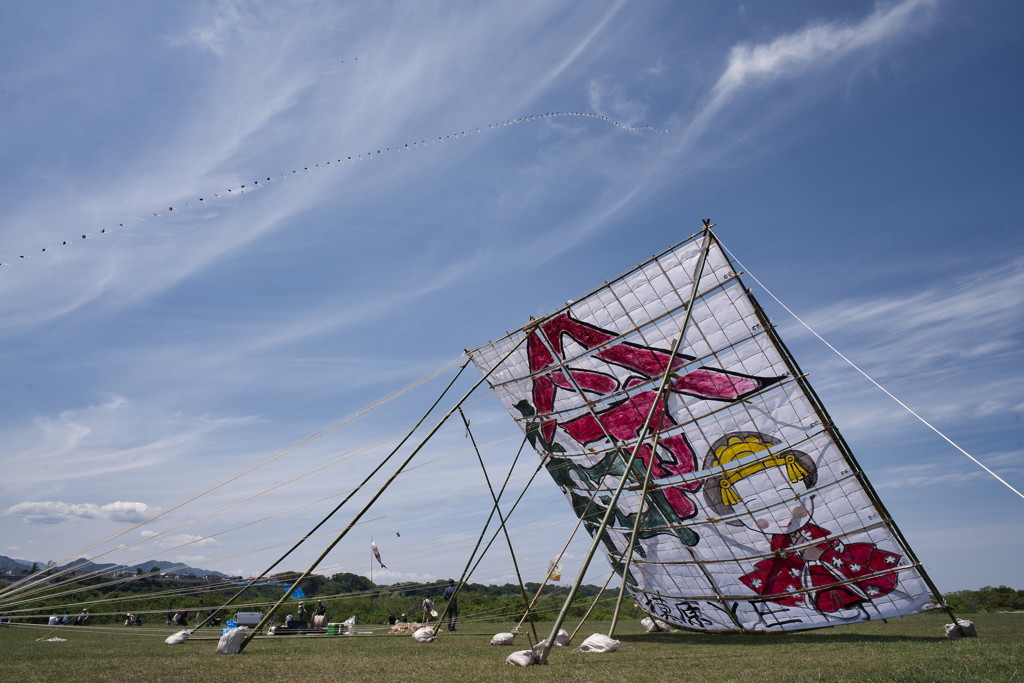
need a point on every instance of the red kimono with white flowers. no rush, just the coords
(832, 581)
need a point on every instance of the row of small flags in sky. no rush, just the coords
(257, 184)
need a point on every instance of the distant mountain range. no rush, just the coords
(84, 565)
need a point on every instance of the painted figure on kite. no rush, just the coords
(807, 568)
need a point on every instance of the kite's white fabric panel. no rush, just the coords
(754, 518)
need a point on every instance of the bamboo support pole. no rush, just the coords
(494, 536)
(609, 511)
(338, 507)
(597, 598)
(640, 514)
(263, 622)
(501, 523)
(847, 452)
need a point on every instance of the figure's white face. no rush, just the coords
(773, 503)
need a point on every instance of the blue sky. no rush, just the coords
(861, 159)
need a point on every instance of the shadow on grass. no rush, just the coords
(773, 639)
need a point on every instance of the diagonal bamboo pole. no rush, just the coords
(826, 421)
(582, 517)
(263, 622)
(629, 464)
(469, 568)
(640, 515)
(469, 572)
(593, 604)
(352, 493)
(501, 523)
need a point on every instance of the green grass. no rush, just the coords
(908, 649)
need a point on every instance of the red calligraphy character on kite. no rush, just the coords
(624, 420)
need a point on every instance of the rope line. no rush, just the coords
(377, 495)
(33, 589)
(415, 384)
(347, 498)
(431, 549)
(871, 379)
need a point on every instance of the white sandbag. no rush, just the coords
(654, 625)
(561, 640)
(599, 643)
(648, 625)
(961, 629)
(231, 642)
(522, 658)
(349, 625)
(424, 635)
(178, 638)
(502, 639)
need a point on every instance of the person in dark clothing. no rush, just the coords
(453, 604)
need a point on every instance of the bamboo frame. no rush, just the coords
(829, 426)
(641, 437)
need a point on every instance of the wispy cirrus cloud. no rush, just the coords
(111, 437)
(815, 47)
(604, 96)
(969, 321)
(947, 349)
(747, 69)
(940, 472)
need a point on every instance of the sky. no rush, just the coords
(296, 210)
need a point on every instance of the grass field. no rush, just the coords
(908, 649)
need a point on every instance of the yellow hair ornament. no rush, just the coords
(794, 470)
(729, 495)
(737, 448)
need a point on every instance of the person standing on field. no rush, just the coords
(428, 606)
(453, 603)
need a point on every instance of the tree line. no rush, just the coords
(345, 595)
(987, 599)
